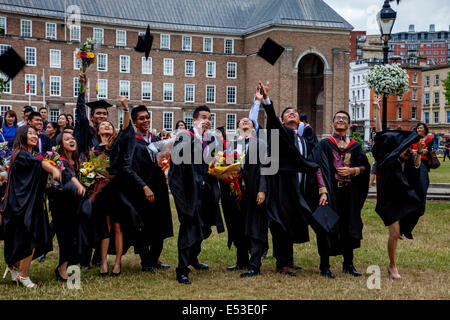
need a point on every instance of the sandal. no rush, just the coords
(14, 272)
(26, 282)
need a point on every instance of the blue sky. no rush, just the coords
(361, 14)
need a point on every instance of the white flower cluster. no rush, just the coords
(389, 80)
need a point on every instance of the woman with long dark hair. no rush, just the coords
(52, 132)
(26, 226)
(9, 126)
(65, 204)
(70, 120)
(422, 130)
(62, 122)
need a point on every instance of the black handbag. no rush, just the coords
(433, 162)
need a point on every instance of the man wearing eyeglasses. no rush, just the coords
(345, 169)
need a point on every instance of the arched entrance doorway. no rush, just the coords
(310, 90)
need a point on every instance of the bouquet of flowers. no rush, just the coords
(4, 161)
(389, 80)
(226, 164)
(162, 150)
(87, 56)
(101, 165)
(54, 159)
(87, 173)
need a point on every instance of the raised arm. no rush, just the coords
(378, 127)
(126, 113)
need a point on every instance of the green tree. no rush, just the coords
(447, 87)
(358, 138)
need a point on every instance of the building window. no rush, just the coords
(189, 68)
(168, 67)
(2, 26)
(414, 94)
(427, 98)
(55, 86)
(55, 58)
(399, 113)
(187, 43)
(102, 62)
(99, 35)
(427, 81)
(213, 121)
(231, 70)
(30, 56)
(168, 121)
(164, 42)
(188, 119)
(436, 80)
(102, 92)
(436, 117)
(146, 65)
(436, 98)
(75, 33)
(30, 84)
(427, 117)
(448, 116)
(76, 87)
(6, 85)
(26, 28)
(210, 69)
(207, 44)
(146, 90)
(231, 94)
(54, 114)
(4, 109)
(125, 64)
(231, 122)
(168, 92)
(189, 93)
(121, 38)
(50, 30)
(358, 95)
(413, 112)
(359, 79)
(210, 94)
(76, 61)
(229, 46)
(415, 78)
(4, 48)
(124, 88)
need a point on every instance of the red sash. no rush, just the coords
(352, 142)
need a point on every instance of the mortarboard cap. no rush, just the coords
(11, 63)
(270, 51)
(103, 104)
(326, 217)
(145, 42)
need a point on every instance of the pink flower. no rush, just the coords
(84, 55)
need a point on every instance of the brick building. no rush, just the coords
(357, 41)
(205, 54)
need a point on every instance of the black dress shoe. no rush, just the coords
(250, 273)
(200, 266)
(184, 279)
(113, 274)
(161, 265)
(148, 269)
(327, 273)
(236, 267)
(287, 271)
(350, 269)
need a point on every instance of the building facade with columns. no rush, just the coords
(206, 54)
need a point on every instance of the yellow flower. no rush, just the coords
(90, 55)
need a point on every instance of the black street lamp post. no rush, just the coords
(385, 18)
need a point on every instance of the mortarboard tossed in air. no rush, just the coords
(326, 217)
(270, 51)
(145, 42)
(11, 63)
(100, 104)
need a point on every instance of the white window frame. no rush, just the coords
(146, 83)
(35, 56)
(128, 66)
(188, 119)
(399, 113)
(53, 114)
(206, 93)
(414, 94)
(76, 87)
(436, 101)
(6, 24)
(213, 121)
(185, 68)
(149, 63)
(186, 86)
(22, 27)
(225, 46)
(183, 47)
(96, 39)
(72, 33)
(55, 64)
(204, 44)
(166, 85)
(52, 37)
(124, 42)
(101, 83)
(436, 80)
(436, 114)
(106, 62)
(414, 114)
(33, 79)
(168, 67)
(233, 115)
(4, 108)
(169, 129)
(4, 48)
(76, 61)
(161, 46)
(213, 63)
(235, 94)
(127, 85)
(228, 70)
(52, 79)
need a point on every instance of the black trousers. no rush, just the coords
(283, 247)
(188, 256)
(150, 256)
(250, 252)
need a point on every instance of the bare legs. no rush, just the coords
(118, 235)
(62, 269)
(394, 235)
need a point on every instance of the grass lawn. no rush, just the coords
(423, 264)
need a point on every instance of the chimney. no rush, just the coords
(432, 28)
(411, 28)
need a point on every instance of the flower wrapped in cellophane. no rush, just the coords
(87, 56)
(4, 162)
(226, 165)
(87, 173)
(162, 150)
(54, 158)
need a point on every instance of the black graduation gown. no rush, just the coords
(285, 202)
(401, 194)
(196, 195)
(85, 135)
(25, 223)
(359, 188)
(156, 216)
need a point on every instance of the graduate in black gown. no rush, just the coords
(25, 223)
(402, 185)
(196, 193)
(149, 195)
(65, 207)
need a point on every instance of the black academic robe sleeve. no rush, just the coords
(84, 133)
